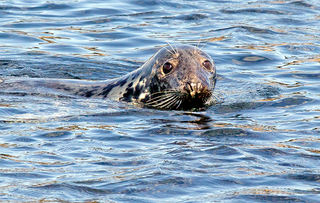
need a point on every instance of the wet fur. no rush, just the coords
(148, 84)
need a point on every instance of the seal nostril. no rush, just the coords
(190, 86)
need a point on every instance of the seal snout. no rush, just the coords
(195, 89)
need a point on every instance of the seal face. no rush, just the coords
(174, 78)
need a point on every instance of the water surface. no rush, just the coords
(261, 144)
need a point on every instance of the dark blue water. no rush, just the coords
(261, 144)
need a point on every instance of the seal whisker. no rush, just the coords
(164, 91)
(168, 103)
(202, 47)
(217, 99)
(167, 99)
(180, 101)
(213, 99)
(158, 99)
(197, 47)
(176, 103)
(225, 92)
(175, 52)
(163, 102)
(171, 103)
(199, 42)
(161, 94)
(169, 51)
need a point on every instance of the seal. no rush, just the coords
(181, 77)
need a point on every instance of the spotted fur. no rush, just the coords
(189, 84)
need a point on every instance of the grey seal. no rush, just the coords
(180, 77)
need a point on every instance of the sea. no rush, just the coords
(259, 143)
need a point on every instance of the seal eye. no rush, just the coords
(207, 64)
(167, 67)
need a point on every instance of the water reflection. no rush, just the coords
(186, 120)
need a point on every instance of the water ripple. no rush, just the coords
(260, 144)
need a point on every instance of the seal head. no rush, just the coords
(183, 77)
